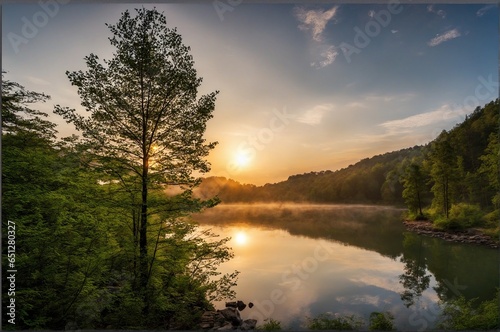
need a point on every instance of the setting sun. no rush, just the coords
(242, 159)
(241, 238)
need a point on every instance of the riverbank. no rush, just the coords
(471, 236)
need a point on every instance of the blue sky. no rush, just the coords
(303, 87)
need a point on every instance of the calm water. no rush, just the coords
(298, 261)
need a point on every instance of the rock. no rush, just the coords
(232, 304)
(250, 305)
(241, 305)
(211, 319)
(226, 327)
(232, 315)
(248, 324)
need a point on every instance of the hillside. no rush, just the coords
(379, 179)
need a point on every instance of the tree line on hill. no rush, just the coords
(453, 179)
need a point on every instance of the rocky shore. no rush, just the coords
(471, 236)
(228, 318)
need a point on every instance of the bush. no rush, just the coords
(492, 218)
(460, 314)
(461, 216)
(443, 223)
(270, 325)
(416, 217)
(381, 321)
(467, 215)
(329, 322)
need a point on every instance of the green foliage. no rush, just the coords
(18, 117)
(270, 325)
(461, 216)
(327, 321)
(467, 215)
(381, 321)
(101, 239)
(462, 314)
(144, 129)
(414, 183)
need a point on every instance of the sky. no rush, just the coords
(303, 86)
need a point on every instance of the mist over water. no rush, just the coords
(300, 260)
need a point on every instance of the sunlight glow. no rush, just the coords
(241, 238)
(242, 159)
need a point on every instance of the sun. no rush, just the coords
(242, 159)
(241, 238)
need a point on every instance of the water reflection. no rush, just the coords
(300, 261)
(415, 278)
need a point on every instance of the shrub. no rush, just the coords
(270, 325)
(461, 216)
(381, 321)
(467, 215)
(330, 322)
(491, 219)
(443, 223)
(462, 314)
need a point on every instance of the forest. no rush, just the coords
(452, 179)
(101, 244)
(96, 241)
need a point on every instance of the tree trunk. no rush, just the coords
(143, 248)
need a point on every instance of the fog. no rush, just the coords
(360, 225)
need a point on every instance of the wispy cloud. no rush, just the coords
(314, 21)
(371, 13)
(484, 9)
(37, 80)
(315, 115)
(444, 113)
(441, 38)
(403, 97)
(439, 12)
(394, 31)
(328, 55)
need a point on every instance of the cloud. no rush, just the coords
(448, 35)
(484, 9)
(440, 13)
(371, 13)
(394, 31)
(403, 97)
(442, 114)
(37, 80)
(315, 20)
(314, 116)
(328, 55)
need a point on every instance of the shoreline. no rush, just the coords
(469, 236)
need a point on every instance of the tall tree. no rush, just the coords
(414, 183)
(442, 172)
(146, 122)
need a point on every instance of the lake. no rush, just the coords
(300, 260)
